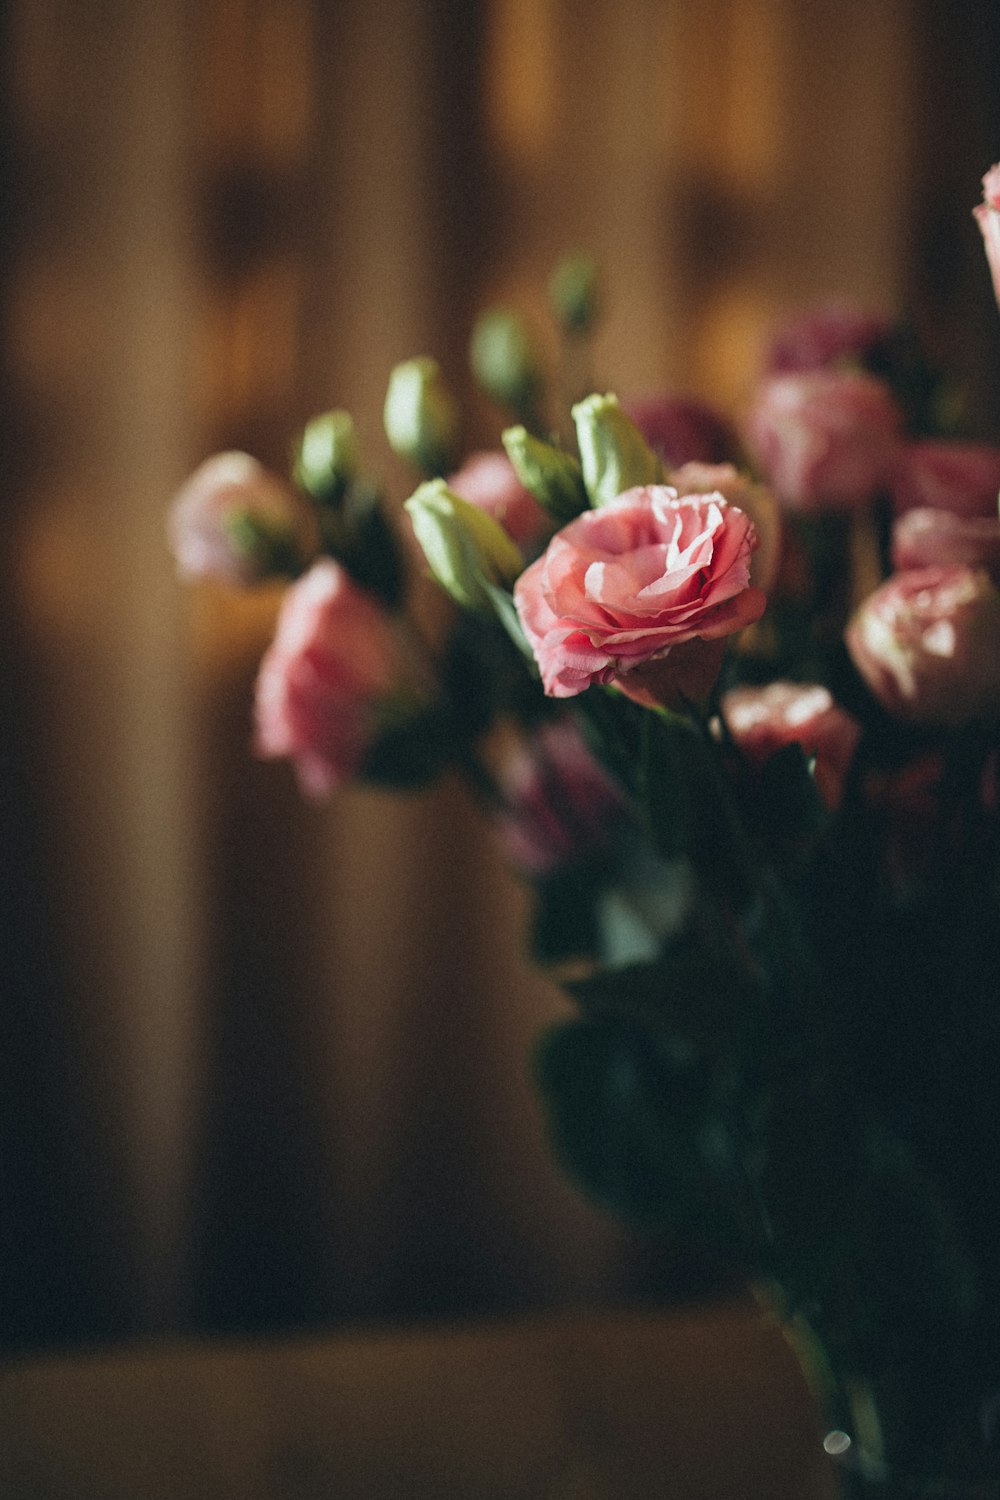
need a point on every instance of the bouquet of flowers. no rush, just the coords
(732, 702)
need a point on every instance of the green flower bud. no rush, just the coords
(327, 456)
(614, 454)
(421, 417)
(574, 293)
(552, 476)
(466, 550)
(505, 361)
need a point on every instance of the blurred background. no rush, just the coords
(262, 1064)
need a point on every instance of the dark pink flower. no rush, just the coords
(488, 480)
(681, 430)
(836, 334)
(826, 439)
(330, 660)
(623, 586)
(560, 803)
(928, 645)
(232, 518)
(924, 537)
(988, 218)
(961, 477)
(762, 720)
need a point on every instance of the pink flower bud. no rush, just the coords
(826, 439)
(330, 660)
(836, 334)
(928, 645)
(235, 521)
(762, 720)
(961, 477)
(681, 430)
(560, 802)
(488, 480)
(988, 218)
(922, 538)
(621, 587)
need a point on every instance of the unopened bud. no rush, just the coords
(505, 361)
(553, 476)
(421, 417)
(465, 548)
(614, 455)
(327, 457)
(574, 293)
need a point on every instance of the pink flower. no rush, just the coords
(756, 500)
(621, 587)
(924, 537)
(330, 660)
(233, 519)
(961, 477)
(762, 720)
(988, 218)
(560, 801)
(826, 439)
(681, 430)
(488, 480)
(928, 645)
(823, 336)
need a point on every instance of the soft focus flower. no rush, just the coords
(330, 660)
(834, 334)
(489, 481)
(928, 645)
(627, 584)
(559, 802)
(574, 293)
(988, 218)
(756, 500)
(961, 477)
(826, 439)
(235, 521)
(681, 430)
(762, 720)
(924, 537)
(506, 362)
(327, 456)
(465, 549)
(421, 416)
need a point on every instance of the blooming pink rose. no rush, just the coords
(621, 587)
(826, 439)
(961, 477)
(330, 660)
(924, 537)
(682, 430)
(762, 720)
(559, 802)
(225, 492)
(988, 218)
(825, 336)
(927, 642)
(489, 481)
(756, 500)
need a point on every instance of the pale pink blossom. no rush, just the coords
(922, 538)
(988, 218)
(232, 518)
(762, 720)
(330, 661)
(927, 642)
(560, 804)
(489, 481)
(825, 439)
(622, 587)
(937, 475)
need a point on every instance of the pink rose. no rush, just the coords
(924, 537)
(489, 481)
(681, 430)
(622, 587)
(961, 477)
(762, 720)
(560, 802)
(988, 218)
(330, 660)
(756, 500)
(232, 520)
(826, 439)
(928, 645)
(825, 336)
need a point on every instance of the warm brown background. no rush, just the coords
(261, 1064)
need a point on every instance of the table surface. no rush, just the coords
(694, 1404)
